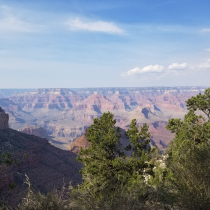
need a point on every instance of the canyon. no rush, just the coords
(65, 114)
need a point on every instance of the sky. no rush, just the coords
(112, 43)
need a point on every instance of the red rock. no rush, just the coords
(80, 142)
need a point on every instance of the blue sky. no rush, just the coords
(112, 43)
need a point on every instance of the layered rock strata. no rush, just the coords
(66, 113)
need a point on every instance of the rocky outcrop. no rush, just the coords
(36, 131)
(4, 119)
(80, 142)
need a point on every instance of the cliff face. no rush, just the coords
(47, 167)
(4, 119)
(80, 142)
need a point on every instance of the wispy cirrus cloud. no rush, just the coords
(208, 49)
(95, 26)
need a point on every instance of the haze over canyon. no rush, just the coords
(63, 115)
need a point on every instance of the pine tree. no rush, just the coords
(140, 144)
(200, 102)
(189, 155)
(103, 161)
(106, 169)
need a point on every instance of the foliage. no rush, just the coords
(37, 201)
(53, 200)
(188, 163)
(106, 168)
(103, 164)
(139, 164)
(139, 140)
(6, 159)
(201, 103)
(141, 197)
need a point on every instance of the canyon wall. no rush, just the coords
(66, 113)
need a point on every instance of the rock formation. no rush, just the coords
(4, 119)
(80, 142)
(36, 131)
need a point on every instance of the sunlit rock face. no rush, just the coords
(66, 113)
(4, 119)
(80, 142)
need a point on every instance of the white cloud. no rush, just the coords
(159, 70)
(97, 26)
(208, 50)
(205, 65)
(147, 69)
(205, 30)
(176, 66)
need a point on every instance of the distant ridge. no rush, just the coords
(4, 93)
